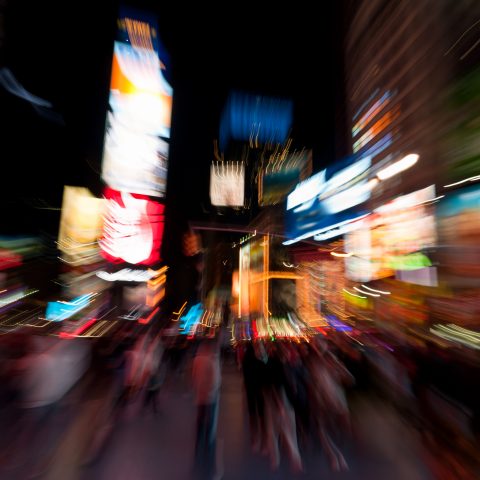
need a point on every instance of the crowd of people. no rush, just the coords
(296, 391)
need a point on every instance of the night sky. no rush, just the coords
(63, 54)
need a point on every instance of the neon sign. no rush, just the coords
(58, 311)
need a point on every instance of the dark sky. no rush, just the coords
(63, 54)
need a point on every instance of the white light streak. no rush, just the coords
(399, 166)
(366, 293)
(469, 179)
(353, 294)
(129, 275)
(376, 291)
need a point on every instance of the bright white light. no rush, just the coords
(430, 200)
(366, 293)
(333, 233)
(342, 255)
(304, 206)
(128, 275)
(227, 180)
(308, 235)
(133, 160)
(347, 174)
(347, 198)
(341, 223)
(418, 197)
(333, 230)
(307, 190)
(469, 179)
(399, 166)
(353, 294)
(128, 232)
(376, 291)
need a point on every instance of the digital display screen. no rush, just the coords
(135, 157)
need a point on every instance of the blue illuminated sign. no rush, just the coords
(253, 117)
(58, 311)
(328, 199)
(188, 321)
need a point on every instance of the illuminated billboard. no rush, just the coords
(255, 119)
(138, 123)
(81, 224)
(459, 220)
(392, 239)
(227, 181)
(327, 201)
(281, 175)
(133, 228)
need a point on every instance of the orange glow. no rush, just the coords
(153, 300)
(363, 122)
(240, 283)
(376, 129)
(235, 284)
(266, 265)
(139, 34)
(275, 275)
(182, 308)
(156, 281)
(119, 81)
(244, 267)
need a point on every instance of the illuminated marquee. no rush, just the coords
(133, 228)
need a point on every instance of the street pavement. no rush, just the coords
(145, 445)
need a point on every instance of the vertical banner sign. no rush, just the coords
(135, 156)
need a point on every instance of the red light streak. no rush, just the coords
(79, 330)
(144, 321)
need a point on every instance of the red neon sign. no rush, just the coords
(133, 228)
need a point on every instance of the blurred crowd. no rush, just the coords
(298, 396)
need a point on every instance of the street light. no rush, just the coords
(399, 166)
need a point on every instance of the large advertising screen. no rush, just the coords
(140, 105)
(227, 184)
(81, 223)
(459, 220)
(133, 228)
(393, 238)
(327, 200)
